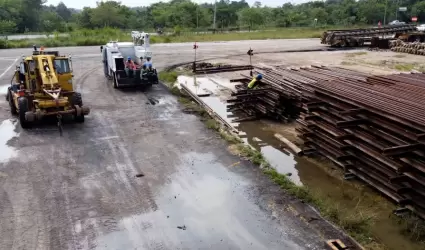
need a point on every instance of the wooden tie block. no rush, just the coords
(335, 245)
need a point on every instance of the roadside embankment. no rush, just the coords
(102, 36)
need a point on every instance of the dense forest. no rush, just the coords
(17, 16)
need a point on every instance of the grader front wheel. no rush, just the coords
(23, 108)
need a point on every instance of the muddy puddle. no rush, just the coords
(322, 177)
(209, 90)
(199, 208)
(3, 89)
(7, 132)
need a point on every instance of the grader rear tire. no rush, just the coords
(77, 100)
(11, 103)
(23, 108)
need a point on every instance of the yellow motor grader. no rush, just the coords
(42, 86)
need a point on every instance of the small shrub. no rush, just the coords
(168, 76)
(3, 44)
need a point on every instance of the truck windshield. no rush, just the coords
(128, 52)
(62, 66)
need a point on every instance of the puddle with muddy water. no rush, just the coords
(321, 177)
(198, 209)
(3, 89)
(7, 132)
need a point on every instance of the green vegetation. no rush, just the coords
(101, 36)
(404, 67)
(399, 56)
(169, 77)
(184, 19)
(183, 15)
(354, 54)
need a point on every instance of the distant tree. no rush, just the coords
(7, 27)
(63, 11)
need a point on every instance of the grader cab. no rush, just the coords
(42, 87)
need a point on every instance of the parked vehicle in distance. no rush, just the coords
(396, 22)
(421, 27)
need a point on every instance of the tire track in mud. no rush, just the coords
(7, 224)
(31, 228)
(81, 79)
(146, 195)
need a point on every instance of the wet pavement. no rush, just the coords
(138, 174)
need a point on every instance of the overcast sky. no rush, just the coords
(79, 4)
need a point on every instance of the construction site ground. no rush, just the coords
(321, 176)
(80, 191)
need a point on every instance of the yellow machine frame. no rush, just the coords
(42, 86)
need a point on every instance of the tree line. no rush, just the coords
(18, 16)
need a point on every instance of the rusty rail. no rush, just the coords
(373, 127)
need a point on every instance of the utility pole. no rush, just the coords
(385, 14)
(197, 19)
(396, 9)
(215, 14)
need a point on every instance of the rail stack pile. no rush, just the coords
(280, 96)
(357, 37)
(374, 129)
(416, 48)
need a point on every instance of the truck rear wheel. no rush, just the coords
(23, 108)
(114, 81)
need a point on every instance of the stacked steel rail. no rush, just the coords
(373, 129)
(356, 37)
(280, 96)
(416, 48)
(208, 68)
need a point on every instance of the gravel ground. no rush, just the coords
(79, 191)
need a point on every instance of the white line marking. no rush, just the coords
(7, 58)
(9, 68)
(108, 137)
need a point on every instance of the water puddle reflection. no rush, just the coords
(7, 132)
(251, 132)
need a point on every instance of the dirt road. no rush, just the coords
(79, 191)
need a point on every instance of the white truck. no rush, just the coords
(115, 54)
(421, 27)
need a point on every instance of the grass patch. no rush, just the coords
(399, 56)
(252, 155)
(404, 67)
(168, 77)
(412, 227)
(357, 223)
(85, 37)
(347, 63)
(286, 33)
(360, 53)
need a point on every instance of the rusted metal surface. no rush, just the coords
(210, 69)
(415, 47)
(372, 128)
(357, 37)
(279, 95)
